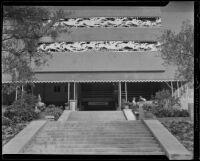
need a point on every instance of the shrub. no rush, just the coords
(29, 99)
(54, 111)
(51, 106)
(165, 112)
(18, 115)
(182, 129)
(21, 110)
(164, 99)
(6, 121)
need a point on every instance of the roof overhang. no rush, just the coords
(100, 77)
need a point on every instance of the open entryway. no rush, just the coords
(98, 96)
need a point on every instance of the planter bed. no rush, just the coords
(181, 128)
(8, 132)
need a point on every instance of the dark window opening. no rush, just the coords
(56, 88)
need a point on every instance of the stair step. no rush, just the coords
(95, 135)
(102, 132)
(105, 149)
(33, 151)
(98, 145)
(93, 140)
(111, 139)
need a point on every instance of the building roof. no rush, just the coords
(112, 66)
(103, 61)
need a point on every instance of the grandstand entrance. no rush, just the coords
(98, 96)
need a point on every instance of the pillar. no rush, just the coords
(178, 89)
(16, 92)
(74, 90)
(22, 91)
(119, 96)
(68, 92)
(126, 91)
(172, 88)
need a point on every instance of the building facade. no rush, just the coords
(110, 56)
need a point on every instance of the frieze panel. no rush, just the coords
(110, 22)
(107, 46)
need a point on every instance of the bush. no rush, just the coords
(21, 110)
(165, 112)
(6, 121)
(182, 129)
(29, 99)
(164, 99)
(51, 106)
(53, 111)
(18, 115)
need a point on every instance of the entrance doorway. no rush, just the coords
(98, 96)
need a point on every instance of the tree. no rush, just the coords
(23, 27)
(178, 49)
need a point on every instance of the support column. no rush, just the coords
(178, 89)
(75, 96)
(22, 91)
(68, 92)
(172, 88)
(32, 90)
(126, 91)
(74, 90)
(16, 92)
(119, 95)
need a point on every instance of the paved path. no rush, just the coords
(92, 132)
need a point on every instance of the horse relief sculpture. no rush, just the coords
(83, 46)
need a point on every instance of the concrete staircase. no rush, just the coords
(104, 135)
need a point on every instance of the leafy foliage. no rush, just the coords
(182, 130)
(159, 111)
(9, 131)
(54, 111)
(23, 27)
(22, 110)
(178, 49)
(164, 99)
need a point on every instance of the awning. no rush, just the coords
(101, 77)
